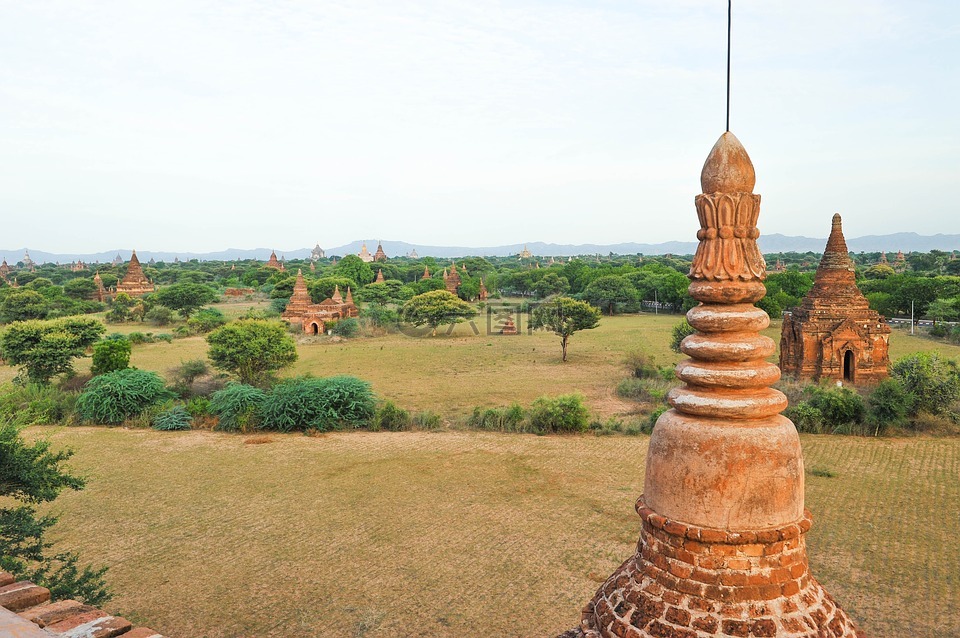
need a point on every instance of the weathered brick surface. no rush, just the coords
(19, 596)
(48, 614)
(744, 584)
(91, 624)
(6, 579)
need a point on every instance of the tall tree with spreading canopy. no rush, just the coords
(565, 316)
(609, 292)
(185, 298)
(435, 308)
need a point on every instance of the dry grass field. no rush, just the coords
(461, 534)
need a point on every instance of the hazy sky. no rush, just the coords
(195, 125)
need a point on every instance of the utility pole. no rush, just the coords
(911, 316)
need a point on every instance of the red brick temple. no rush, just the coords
(135, 283)
(313, 318)
(834, 334)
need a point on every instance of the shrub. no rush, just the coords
(391, 418)
(427, 420)
(116, 396)
(510, 419)
(346, 328)
(198, 407)
(565, 413)
(111, 354)
(175, 418)
(680, 332)
(206, 320)
(652, 419)
(307, 403)
(806, 417)
(185, 374)
(652, 390)
(35, 404)
(933, 381)
(238, 406)
(839, 406)
(165, 337)
(889, 405)
(159, 316)
(137, 338)
(641, 365)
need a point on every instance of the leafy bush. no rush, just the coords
(238, 406)
(889, 405)
(198, 407)
(510, 419)
(35, 404)
(175, 418)
(680, 332)
(391, 418)
(806, 417)
(137, 338)
(838, 406)
(564, 413)
(427, 420)
(116, 396)
(641, 365)
(650, 390)
(159, 316)
(308, 403)
(165, 337)
(206, 320)
(111, 354)
(184, 375)
(346, 328)
(933, 381)
(652, 419)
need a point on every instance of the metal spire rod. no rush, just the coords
(729, 20)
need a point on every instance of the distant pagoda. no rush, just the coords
(834, 334)
(364, 254)
(135, 283)
(273, 262)
(379, 255)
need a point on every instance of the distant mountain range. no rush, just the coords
(775, 243)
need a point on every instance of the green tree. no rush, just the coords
(352, 267)
(551, 284)
(611, 292)
(113, 353)
(564, 317)
(82, 288)
(24, 304)
(435, 308)
(251, 348)
(185, 298)
(44, 349)
(31, 474)
(389, 291)
(323, 288)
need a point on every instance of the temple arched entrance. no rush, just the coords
(314, 328)
(849, 366)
